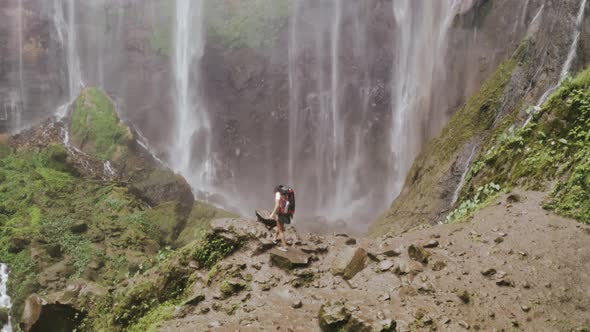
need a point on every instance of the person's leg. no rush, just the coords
(277, 233)
(282, 233)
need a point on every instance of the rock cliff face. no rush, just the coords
(247, 73)
(433, 185)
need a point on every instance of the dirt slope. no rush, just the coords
(540, 282)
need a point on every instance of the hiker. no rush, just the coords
(283, 212)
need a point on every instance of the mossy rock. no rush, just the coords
(162, 185)
(96, 128)
(4, 316)
(199, 222)
(333, 317)
(168, 221)
(230, 288)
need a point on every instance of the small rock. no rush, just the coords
(431, 244)
(392, 253)
(438, 265)
(525, 308)
(418, 254)
(350, 242)
(384, 297)
(465, 297)
(502, 234)
(513, 198)
(385, 265)
(79, 227)
(505, 282)
(194, 300)
(526, 285)
(297, 304)
(215, 324)
(193, 265)
(488, 272)
(464, 325)
(499, 240)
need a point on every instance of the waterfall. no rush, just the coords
(5, 301)
(67, 36)
(421, 47)
(21, 86)
(571, 55)
(191, 148)
(337, 140)
(457, 192)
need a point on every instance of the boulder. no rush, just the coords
(40, 315)
(336, 317)
(162, 185)
(96, 129)
(349, 262)
(289, 260)
(418, 253)
(32, 311)
(333, 316)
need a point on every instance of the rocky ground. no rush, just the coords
(512, 267)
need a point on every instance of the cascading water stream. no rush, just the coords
(334, 152)
(67, 35)
(18, 122)
(421, 49)
(5, 301)
(192, 122)
(566, 65)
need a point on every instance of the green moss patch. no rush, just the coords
(95, 127)
(247, 23)
(554, 148)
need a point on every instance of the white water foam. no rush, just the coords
(5, 300)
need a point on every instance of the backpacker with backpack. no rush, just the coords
(287, 201)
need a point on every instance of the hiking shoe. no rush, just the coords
(283, 249)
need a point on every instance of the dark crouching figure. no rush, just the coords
(283, 212)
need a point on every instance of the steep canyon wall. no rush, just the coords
(334, 97)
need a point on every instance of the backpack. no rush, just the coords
(287, 202)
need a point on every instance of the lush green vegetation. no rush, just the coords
(482, 196)
(551, 152)
(49, 215)
(96, 128)
(213, 249)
